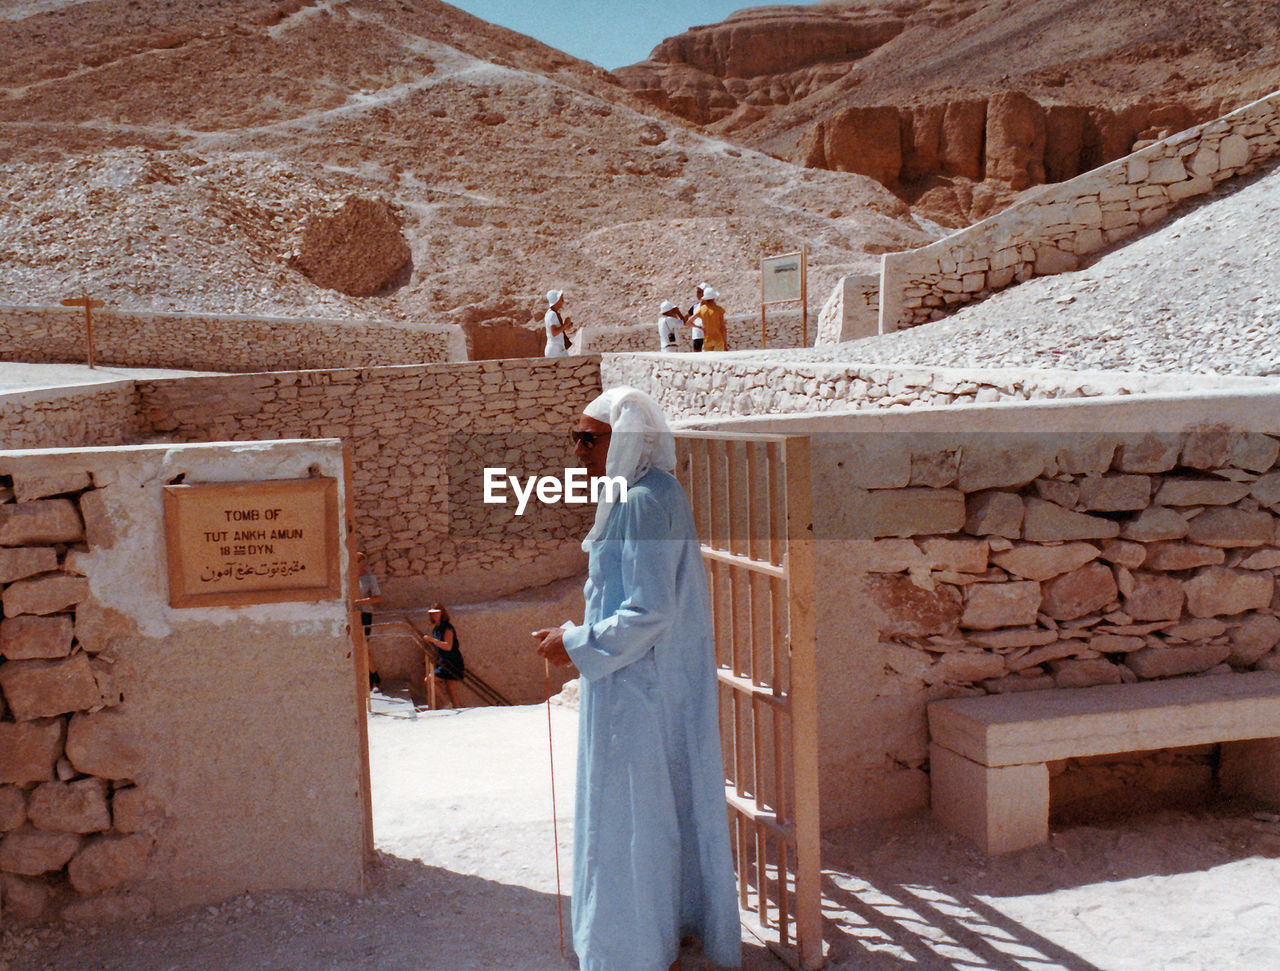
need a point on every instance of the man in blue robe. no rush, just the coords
(651, 839)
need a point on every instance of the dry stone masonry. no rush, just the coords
(1047, 563)
(729, 385)
(1144, 558)
(75, 831)
(104, 414)
(784, 327)
(220, 342)
(420, 438)
(1050, 231)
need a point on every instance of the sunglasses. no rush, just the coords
(587, 439)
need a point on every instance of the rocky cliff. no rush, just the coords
(958, 105)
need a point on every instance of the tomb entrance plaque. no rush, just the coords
(236, 543)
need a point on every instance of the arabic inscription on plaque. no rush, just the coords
(233, 543)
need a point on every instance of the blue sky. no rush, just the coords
(609, 33)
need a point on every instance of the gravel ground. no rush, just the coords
(1200, 294)
(465, 878)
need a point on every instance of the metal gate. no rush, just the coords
(750, 496)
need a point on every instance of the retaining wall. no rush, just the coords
(784, 328)
(727, 385)
(1027, 547)
(221, 342)
(137, 740)
(97, 414)
(420, 437)
(852, 311)
(1049, 231)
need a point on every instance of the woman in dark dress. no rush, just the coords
(449, 665)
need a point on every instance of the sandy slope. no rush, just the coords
(514, 167)
(1186, 297)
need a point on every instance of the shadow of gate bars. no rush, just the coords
(751, 504)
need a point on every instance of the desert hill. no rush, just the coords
(369, 158)
(402, 159)
(959, 104)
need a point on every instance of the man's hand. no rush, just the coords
(551, 646)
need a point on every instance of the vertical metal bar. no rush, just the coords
(763, 338)
(803, 702)
(715, 494)
(359, 649)
(804, 294)
(743, 863)
(733, 498)
(698, 477)
(762, 884)
(782, 716)
(777, 506)
(785, 889)
(757, 502)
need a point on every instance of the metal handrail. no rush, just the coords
(477, 685)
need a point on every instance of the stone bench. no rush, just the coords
(988, 756)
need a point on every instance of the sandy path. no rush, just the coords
(465, 878)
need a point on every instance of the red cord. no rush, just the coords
(555, 831)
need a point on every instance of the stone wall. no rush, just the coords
(1023, 548)
(220, 342)
(852, 310)
(420, 437)
(136, 739)
(784, 328)
(98, 414)
(1051, 230)
(728, 385)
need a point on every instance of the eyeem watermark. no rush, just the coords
(575, 486)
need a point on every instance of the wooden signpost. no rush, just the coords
(784, 279)
(88, 305)
(236, 543)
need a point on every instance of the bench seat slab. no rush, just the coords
(1044, 726)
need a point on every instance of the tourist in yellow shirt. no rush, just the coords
(711, 316)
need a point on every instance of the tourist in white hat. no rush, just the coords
(696, 333)
(668, 314)
(557, 327)
(709, 319)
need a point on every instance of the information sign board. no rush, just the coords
(781, 278)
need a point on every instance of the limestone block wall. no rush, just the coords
(784, 328)
(221, 342)
(729, 385)
(852, 310)
(135, 739)
(1049, 231)
(420, 437)
(98, 414)
(1029, 547)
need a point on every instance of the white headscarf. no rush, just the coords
(640, 440)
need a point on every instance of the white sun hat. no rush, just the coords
(666, 306)
(553, 297)
(710, 293)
